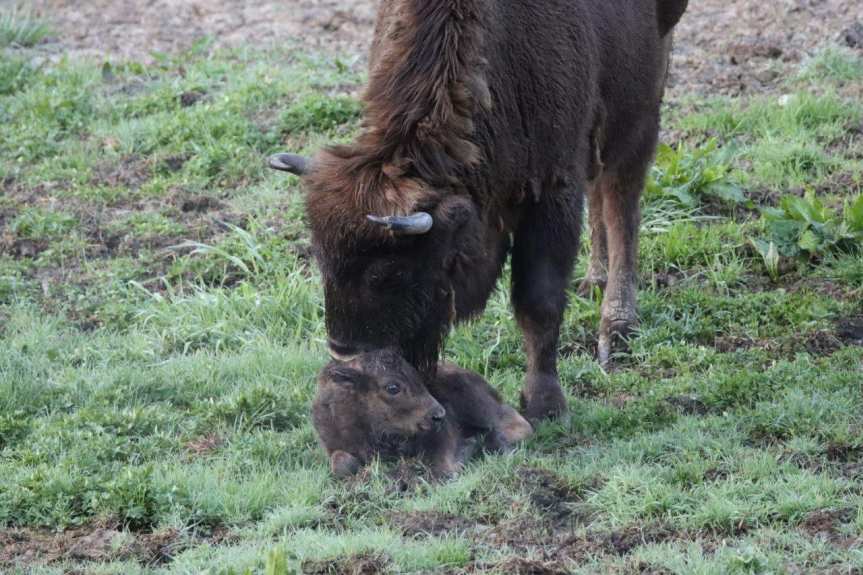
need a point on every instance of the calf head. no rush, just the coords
(378, 394)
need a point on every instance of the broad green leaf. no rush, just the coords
(728, 192)
(854, 214)
(809, 242)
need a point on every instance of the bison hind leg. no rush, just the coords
(597, 270)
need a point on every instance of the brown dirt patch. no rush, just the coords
(741, 46)
(844, 452)
(422, 524)
(21, 248)
(95, 543)
(625, 541)
(197, 204)
(554, 497)
(826, 525)
(129, 172)
(850, 330)
(519, 566)
(822, 343)
(826, 522)
(191, 98)
(722, 46)
(354, 565)
(205, 445)
(644, 568)
(126, 29)
(554, 547)
(819, 343)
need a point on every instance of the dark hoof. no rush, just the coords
(613, 339)
(542, 399)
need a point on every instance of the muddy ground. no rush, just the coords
(723, 46)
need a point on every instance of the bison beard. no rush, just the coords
(485, 125)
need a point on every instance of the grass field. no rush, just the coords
(161, 328)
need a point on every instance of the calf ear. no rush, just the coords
(343, 375)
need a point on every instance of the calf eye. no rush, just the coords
(393, 389)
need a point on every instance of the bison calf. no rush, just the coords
(377, 404)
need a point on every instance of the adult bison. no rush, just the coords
(486, 122)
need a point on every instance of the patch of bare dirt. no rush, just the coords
(130, 172)
(644, 568)
(21, 248)
(555, 498)
(742, 46)
(820, 343)
(844, 452)
(625, 541)
(95, 543)
(198, 204)
(826, 525)
(422, 524)
(520, 566)
(188, 99)
(205, 445)
(354, 565)
(128, 29)
(850, 330)
(722, 46)
(556, 548)
(826, 522)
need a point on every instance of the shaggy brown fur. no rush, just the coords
(495, 118)
(377, 404)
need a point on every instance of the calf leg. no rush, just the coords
(597, 270)
(622, 217)
(544, 251)
(447, 451)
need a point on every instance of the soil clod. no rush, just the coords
(355, 565)
(422, 524)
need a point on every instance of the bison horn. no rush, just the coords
(292, 163)
(413, 225)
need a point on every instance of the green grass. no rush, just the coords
(20, 28)
(161, 327)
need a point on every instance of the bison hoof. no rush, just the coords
(613, 339)
(542, 398)
(344, 464)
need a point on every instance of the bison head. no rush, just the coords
(389, 278)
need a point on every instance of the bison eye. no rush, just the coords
(393, 389)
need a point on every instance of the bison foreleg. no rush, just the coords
(544, 251)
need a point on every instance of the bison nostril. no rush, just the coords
(439, 414)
